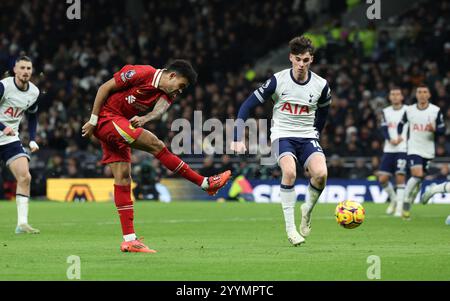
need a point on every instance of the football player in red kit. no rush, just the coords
(117, 120)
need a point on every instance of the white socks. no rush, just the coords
(399, 199)
(390, 191)
(205, 183)
(411, 191)
(129, 237)
(22, 209)
(311, 198)
(288, 200)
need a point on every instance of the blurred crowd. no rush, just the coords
(223, 40)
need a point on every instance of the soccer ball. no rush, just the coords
(350, 214)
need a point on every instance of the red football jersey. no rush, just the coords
(138, 92)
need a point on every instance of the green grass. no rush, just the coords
(229, 241)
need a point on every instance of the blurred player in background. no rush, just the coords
(393, 161)
(434, 189)
(136, 90)
(17, 96)
(425, 122)
(301, 101)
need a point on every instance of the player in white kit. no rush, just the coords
(394, 157)
(434, 189)
(17, 96)
(425, 121)
(301, 101)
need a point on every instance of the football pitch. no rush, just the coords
(222, 241)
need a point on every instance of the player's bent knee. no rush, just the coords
(24, 178)
(321, 173)
(27, 177)
(319, 177)
(122, 179)
(158, 146)
(126, 181)
(418, 174)
(124, 175)
(320, 180)
(289, 175)
(399, 180)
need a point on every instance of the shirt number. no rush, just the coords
(316, 145)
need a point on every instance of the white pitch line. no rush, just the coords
(235, 219)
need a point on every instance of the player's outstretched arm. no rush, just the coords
(258, 97)
(160, 108)
(244, 112)
(102, 94)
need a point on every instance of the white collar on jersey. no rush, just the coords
(417, 106)
(300, 83)
(157, 77)
(399, 108)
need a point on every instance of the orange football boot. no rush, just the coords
(218, 181)
(135, 246)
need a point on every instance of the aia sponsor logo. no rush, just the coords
(420, 127)
(14, 112)
(294, 109)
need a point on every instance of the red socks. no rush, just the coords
(122, 193)
(124, 204)
(176, 165)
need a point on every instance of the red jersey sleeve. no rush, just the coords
(167, 98)
(131, 75)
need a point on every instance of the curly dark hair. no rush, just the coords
(301, 45)
(185, 69)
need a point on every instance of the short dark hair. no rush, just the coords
(393, 88)
(23, 58)
(185, 69)
(301, 45)
(423, 86)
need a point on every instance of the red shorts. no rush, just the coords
(116, 134)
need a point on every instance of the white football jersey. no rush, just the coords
(391, 119)
(13, 104)
(421, 140)
(295, 104)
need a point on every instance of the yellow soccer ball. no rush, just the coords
(350, 214)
